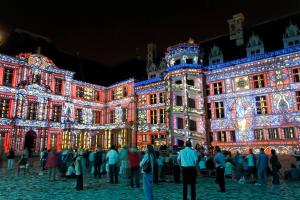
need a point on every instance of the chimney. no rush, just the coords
(236, 28)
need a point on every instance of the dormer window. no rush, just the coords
(255, 46)
(177, 62)
(7, 76)
(215, 55)
(291, 36)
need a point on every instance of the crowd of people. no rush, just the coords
(155, 165)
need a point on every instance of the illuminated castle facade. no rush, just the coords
(250, 102)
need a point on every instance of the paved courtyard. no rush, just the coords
(34, 186)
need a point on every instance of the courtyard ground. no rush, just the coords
(34, 186)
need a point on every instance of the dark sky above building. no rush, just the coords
(115, 32)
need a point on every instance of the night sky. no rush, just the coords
(111, 33)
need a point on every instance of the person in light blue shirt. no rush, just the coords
(148, 176)
(262, 166)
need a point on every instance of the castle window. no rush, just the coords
(296, 75)
(56, 113)
(259, 134)
(179, 123)
(258, 81)
(78, 115)
(289, 133)
(193, 125)
(209, 110)
(153, 116)
(218, 88)
(79, 92)
(96, 117)
(208, 89)
(32, 110)
(232, 136)
(112, 116)
(4, 107)
(58, 86)
(191, 103)
(219, 109)
(273, 133)
(124, 114)
(179, 101)
(161, 98)
(152, 98)
(125, 92)
(96, 95)
(298, 99)
(222, 136)
(113, 94)
(7, 76)
(162, 115)
(261, 105)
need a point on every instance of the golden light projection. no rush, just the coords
(241, 83)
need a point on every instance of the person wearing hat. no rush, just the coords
(187, 159)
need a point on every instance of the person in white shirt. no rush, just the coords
(112, 158)
(187, 158)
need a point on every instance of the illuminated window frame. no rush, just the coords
(56, 113)
(261, 105)
(78, 115)
(8, 76)
(218, 88)
(222, 136)
(259, 81)
(298, 99)
(289, 133)
(4, 108)
(219, 106)
(152, 98)
(153, 116)
(161, 97)
(259, 134)
(96, 117)
(296, 75)
(162, 115)
(273, 133)
(58, 86)
(32, 110)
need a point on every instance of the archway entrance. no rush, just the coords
(30, 141)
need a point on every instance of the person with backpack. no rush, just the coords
(187, 158)
(275, 167)
(147, 165)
